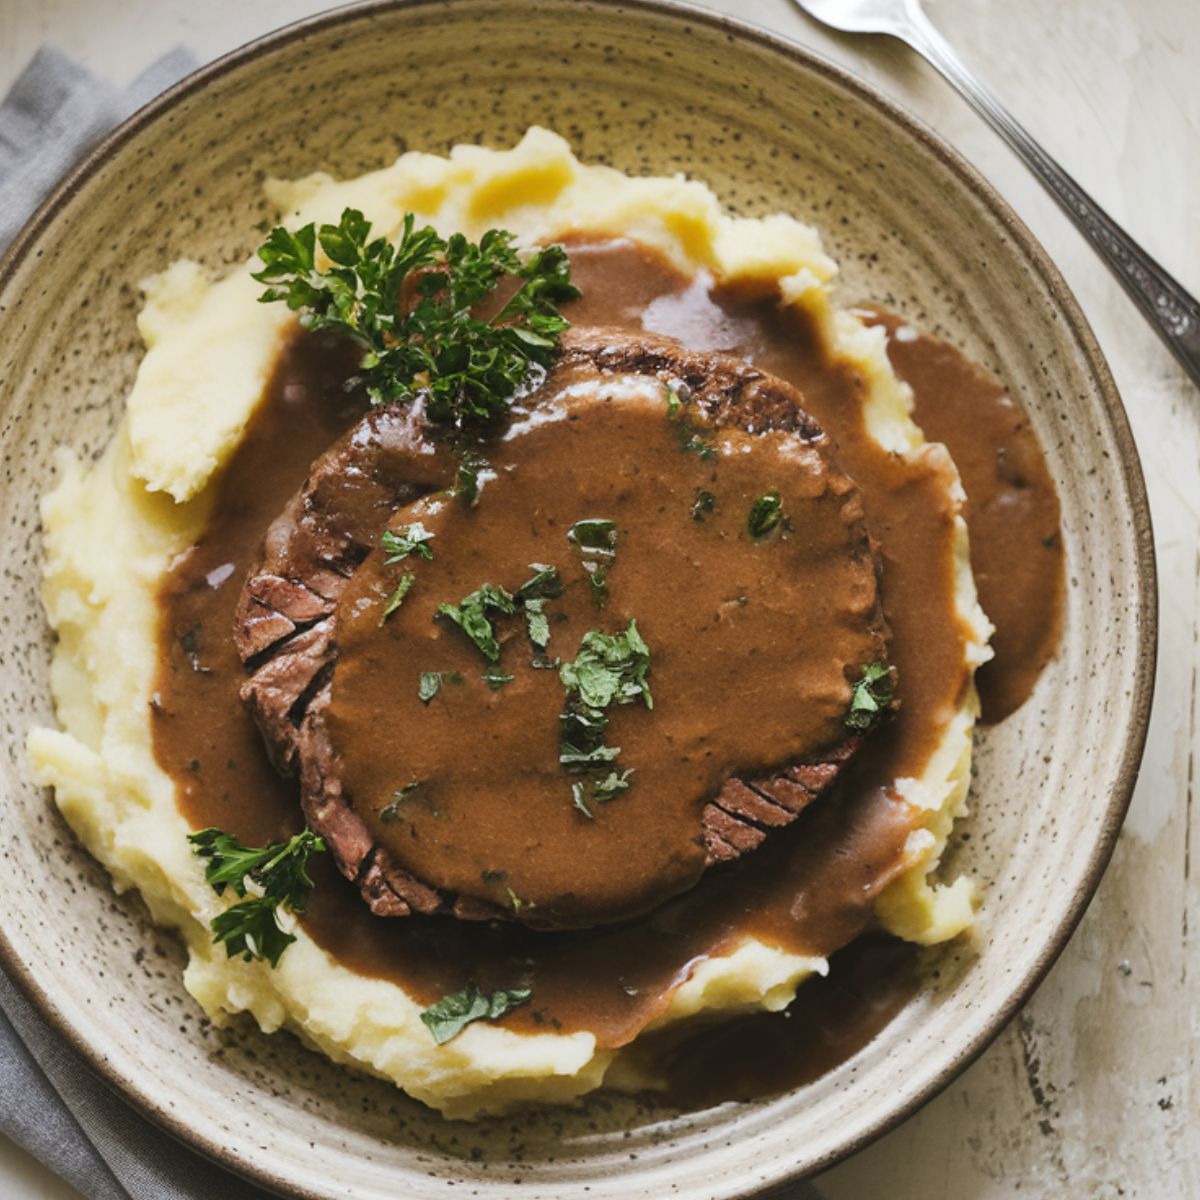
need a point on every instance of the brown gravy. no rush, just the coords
(752, 645)
(809, 889)
(1012, 507)
(762, 1054)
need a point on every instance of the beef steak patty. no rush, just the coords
(287, 620)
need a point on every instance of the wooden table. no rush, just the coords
(1094, 1091)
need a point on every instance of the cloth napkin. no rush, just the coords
(49, 1102)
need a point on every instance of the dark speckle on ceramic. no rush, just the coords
(650, 90)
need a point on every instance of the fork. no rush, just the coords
(1171, 310)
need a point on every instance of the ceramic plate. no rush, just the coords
(650, 89)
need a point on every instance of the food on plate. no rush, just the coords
(519, 625)
(754, 667)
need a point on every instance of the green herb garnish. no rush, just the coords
(279, 875)
(703, 504)
(452, 1014)
(496, 679)
(599, 790)
(543, 585)
(397, 597)
(609, 669)
(871, 697)
(475, 612)
(398, 544)
(765, 514)
(691, 439)
(466, 480)
(431, 683)
(409, 305)
(537, 624)
(595, 539)
(471, 616)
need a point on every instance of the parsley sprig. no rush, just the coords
(431, 683)
(410, 305)
(871, 697)
(595, 540)
(397, 597)
(398, 544)
(765, 514)
(278, 877)
(450, 1015)
(610, 668)
(474, 614)
(544, 584)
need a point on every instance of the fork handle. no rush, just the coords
(1172, 311)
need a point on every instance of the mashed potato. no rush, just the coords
(113, 527)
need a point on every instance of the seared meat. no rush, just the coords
(286, 620)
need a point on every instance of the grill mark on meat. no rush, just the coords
(743, 812)
(284, 629)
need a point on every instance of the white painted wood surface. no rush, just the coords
(1094, 1092)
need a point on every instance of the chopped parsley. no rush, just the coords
(471, 616)
(537, 624)
(595, 540)
(466, 480)
(532, 595)
(409, 305)
(397, 597)
(871, 696)
(765, 513)
(599, 789)
(476, 612)
(431, 683)
(398, 544)
(278, 875)
(691, 439)
(703, 504)
(610, 668)
(452, 1014)
(544, 584)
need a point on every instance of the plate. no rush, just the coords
(650, 88)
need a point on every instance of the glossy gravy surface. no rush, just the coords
(753, 642)
(1012, 507)
(809, 889)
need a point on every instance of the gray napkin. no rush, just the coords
(49, 1102)
(55, 112)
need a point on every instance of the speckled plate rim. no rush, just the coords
(1110, 404)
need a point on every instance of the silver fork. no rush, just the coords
(1172, 311)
